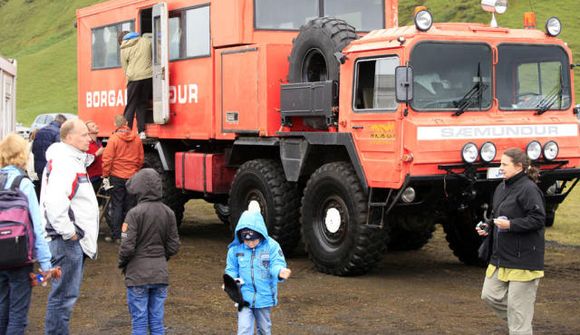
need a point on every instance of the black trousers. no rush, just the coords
(121, 203)
(138, 94)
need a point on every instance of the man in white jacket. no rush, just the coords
(70, 217)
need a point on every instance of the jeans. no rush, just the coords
(15, 292)
(146, 305)
(121, 202)
(64, 292)
(262, 318)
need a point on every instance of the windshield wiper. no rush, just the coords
(468, 99)
(548, 101)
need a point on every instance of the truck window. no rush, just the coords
(189, 34)
(375, 84)
(105, 48)
(364, 15)
(532, 77)
(449, 76)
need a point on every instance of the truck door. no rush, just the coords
(160, 65)
(375, 121)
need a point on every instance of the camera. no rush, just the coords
(483, 226)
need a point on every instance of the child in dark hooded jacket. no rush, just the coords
(149, 238)
(256, 260)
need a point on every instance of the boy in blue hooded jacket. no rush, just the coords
(257, 262)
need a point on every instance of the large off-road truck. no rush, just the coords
(352, 133)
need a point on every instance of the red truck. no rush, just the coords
(352, 133)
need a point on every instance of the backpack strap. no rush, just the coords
(16, 182)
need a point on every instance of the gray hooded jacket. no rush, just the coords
(149, 233)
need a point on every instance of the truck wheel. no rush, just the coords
(409, 232)
(223, 213)
(334, 212)
(263, 180)
(172, 197)
(460, 233)
(313, 52)
(551, 214)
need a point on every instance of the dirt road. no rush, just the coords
(422, 292)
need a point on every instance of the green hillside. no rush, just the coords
(41, 36)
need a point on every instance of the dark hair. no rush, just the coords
(518, 156)
(60, 118)
(120, 36)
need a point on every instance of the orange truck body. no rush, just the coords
(226, 121)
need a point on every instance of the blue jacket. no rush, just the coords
(258, 267)
(41, 250)
(45, 136)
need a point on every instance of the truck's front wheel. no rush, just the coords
(264, 181)
(172, 197)
(334, 211)
(463, 240)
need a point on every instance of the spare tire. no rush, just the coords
(314, 52)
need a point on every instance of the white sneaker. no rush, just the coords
(142, 135)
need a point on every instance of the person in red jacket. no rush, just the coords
(95, 170)
(122, 158)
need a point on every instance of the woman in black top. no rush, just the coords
(514, 246)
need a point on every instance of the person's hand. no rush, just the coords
(100, 151)
(503, 224)
(481, 232)
(285, 273)
(54, 273)
(106, 184)
(74, 237)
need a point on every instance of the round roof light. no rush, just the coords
(551, 150)
(553, 26)
(534, 150)
(423, 20)
(487, 152)
(469, 152)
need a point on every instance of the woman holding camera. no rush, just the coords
(514, 243)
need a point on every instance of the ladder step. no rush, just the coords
(377, 204)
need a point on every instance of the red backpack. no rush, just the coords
(16, 229)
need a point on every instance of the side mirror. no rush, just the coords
(404, 83)
(577, 110)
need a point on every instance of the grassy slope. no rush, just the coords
(40, 34)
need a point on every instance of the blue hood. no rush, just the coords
(130, 36)
(253, 221)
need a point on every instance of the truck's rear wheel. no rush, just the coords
(334, 211)
(409, 232)
(313, 52)
(460, 233)
(223, 212)
(172, 197)
(264, 181)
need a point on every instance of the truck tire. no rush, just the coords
(460, 234)
(551, 214)
(263, 180)
(223, 213)
(313, 51)
(172, 197)
(409, 232)
(334, 230)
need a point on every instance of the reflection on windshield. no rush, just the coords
(532, 77)
(451, 76)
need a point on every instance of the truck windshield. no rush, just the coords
(533, 77)
(451, 76)
(364, 15)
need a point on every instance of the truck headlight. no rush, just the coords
(469, 153)
(551, 150)
(408, 195)
(534, 150)
(487, 152)
(553, 26)
(423, 20)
